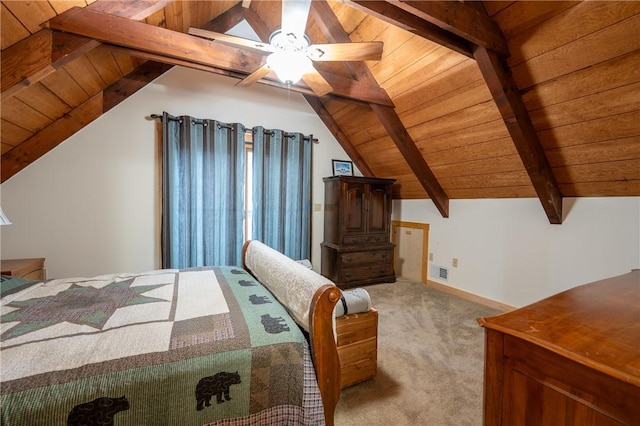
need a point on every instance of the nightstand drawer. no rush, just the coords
(358, 346)
(37, 275)
(355, 328)
(358, 362)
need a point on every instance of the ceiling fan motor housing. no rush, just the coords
(289, 41)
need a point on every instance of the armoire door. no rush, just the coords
(354, 208)
(378, 213)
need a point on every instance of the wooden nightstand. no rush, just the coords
(358, 346)
(31, 269)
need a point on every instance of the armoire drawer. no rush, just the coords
(380, 238)
(366, 257)
(354, 240)
(358, 273)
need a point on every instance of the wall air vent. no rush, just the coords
(439, 273)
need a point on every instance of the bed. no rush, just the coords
(201, 346)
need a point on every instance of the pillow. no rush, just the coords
(353, 301)
(292, 283)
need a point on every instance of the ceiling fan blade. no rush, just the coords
(230, 40)
(294, 17)
(317, 83)
(254, 76)
(366, 51)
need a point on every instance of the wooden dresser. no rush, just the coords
(31, 269)
(357, 248)
(571, 359)
(357, 346)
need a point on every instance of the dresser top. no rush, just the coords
(596, 324)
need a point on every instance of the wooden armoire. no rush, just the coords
(357, 246)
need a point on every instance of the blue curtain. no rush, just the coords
(203, 196)
(282, 191)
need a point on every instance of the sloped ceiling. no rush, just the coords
(493, 99)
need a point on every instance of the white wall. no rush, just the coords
(508, 251)
(91, 205)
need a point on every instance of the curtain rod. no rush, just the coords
(159, 117)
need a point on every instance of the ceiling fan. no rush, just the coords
(290, 52)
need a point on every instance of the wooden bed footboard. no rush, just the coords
(324, 349)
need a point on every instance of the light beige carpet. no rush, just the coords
(430, 361)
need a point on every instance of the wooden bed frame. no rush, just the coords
(324, 350)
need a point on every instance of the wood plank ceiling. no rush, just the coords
(497, 99)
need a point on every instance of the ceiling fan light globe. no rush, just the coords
(289, 66)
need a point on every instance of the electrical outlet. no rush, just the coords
(455, 262)
(430, 257)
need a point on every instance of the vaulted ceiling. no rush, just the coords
(495, 99)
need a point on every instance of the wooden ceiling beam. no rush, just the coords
(134, 10)
(460, 19)
(176, 47)
(507, 97)
(398, 17)
(37, 56)
(226, 20)
(258, 25)
(344, 89)
(234, 16)
(357, 90)
(329, 24)
(42, 53)
(412, 155)
(120, 31)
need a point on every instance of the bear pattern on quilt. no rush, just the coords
(259, 300)
(99, 412)
(218, 385)
(274, 325)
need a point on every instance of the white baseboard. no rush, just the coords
(472, 297)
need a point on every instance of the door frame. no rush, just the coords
(425, 242)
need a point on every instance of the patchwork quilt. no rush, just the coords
(202, 346)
